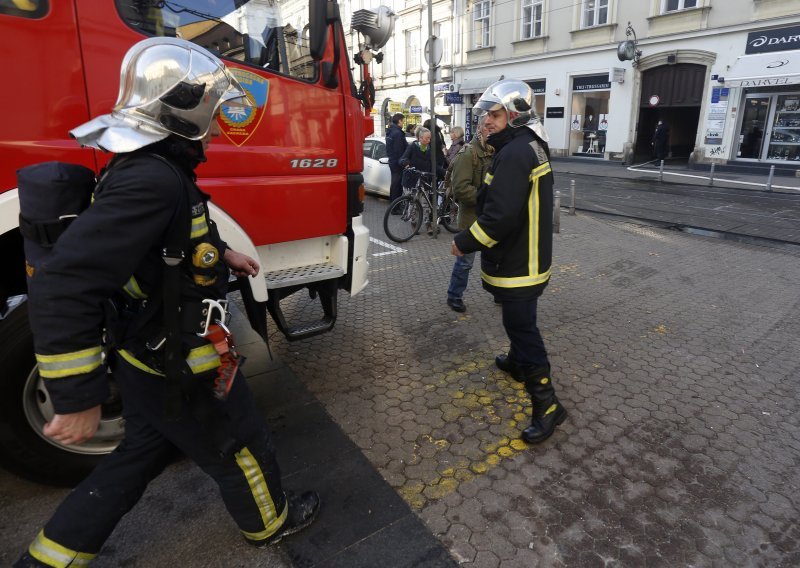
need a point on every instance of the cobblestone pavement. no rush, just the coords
(677, 357)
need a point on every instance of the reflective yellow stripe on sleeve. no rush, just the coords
(481, 236)
(199, 227)
(258, 488)
(53, 554)
(69, 364)
(487, 179)
(540, 171)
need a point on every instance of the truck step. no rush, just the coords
(302, 275)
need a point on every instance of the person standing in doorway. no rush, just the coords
(396, 145)
(661, 141)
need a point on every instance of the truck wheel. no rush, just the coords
(25, 408)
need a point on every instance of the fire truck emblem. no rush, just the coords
(238, 123)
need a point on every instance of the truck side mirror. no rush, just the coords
(318, 18)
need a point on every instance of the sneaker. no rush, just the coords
(303, 510)
(457, 305)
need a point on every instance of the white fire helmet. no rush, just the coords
(514, 96)
(167, 86)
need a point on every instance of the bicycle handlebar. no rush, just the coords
(414, 170)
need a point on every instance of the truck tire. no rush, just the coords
(25, 408)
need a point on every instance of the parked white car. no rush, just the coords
(377, 177)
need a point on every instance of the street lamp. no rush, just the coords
(628, 50)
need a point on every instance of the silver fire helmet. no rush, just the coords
(514, 96)
(167, 86)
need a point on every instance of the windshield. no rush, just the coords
(271, 34)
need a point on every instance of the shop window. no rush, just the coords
(24, 8)
(785, 141)
(595, 13)
(676, 5)
(481, 24)
(589, 123)
(273, 36)
(531, 19)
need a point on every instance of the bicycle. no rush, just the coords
(405, 215)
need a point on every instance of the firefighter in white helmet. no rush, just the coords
(514, 233)
(174, 364)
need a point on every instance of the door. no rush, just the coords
(754, 125)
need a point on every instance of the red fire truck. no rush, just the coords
(285, 177)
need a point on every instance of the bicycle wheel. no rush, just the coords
(402, 219)
(450, 215)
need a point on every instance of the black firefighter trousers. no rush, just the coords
(248, 476)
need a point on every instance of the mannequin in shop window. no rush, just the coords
(590, 131)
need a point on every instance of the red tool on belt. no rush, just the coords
(222, 339)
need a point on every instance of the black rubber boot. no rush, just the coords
(505, 364)
(303, 510)
(547, 410)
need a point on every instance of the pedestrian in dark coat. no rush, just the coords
(418, 155)
(456, 143)
(661, 141)
(396, 145)
(441, 147)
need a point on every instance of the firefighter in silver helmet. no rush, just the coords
(180, 388)
(514, 233)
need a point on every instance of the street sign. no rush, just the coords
(434, 49)
(453, 99)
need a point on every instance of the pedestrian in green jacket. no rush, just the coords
(467, 172)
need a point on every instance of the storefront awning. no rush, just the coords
(473, 85)
(765, 70)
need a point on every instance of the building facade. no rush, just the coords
(724, 75)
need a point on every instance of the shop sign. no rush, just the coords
(554, 112)
(617, 75)
(591, 83)
(715, 121)
(395, 107)
(538, 87)
(444, 87)
(781, 39)
(453, 99)
(415, 109)
(468, 125)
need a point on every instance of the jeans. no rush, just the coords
(460, 276)
(527, 346)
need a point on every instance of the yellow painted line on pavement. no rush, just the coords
(504, 412)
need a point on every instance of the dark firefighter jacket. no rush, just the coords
(514, 229)
(113, 250)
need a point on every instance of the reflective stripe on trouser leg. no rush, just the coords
(50, 553)
(249, 479)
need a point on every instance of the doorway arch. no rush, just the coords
(672, 88)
